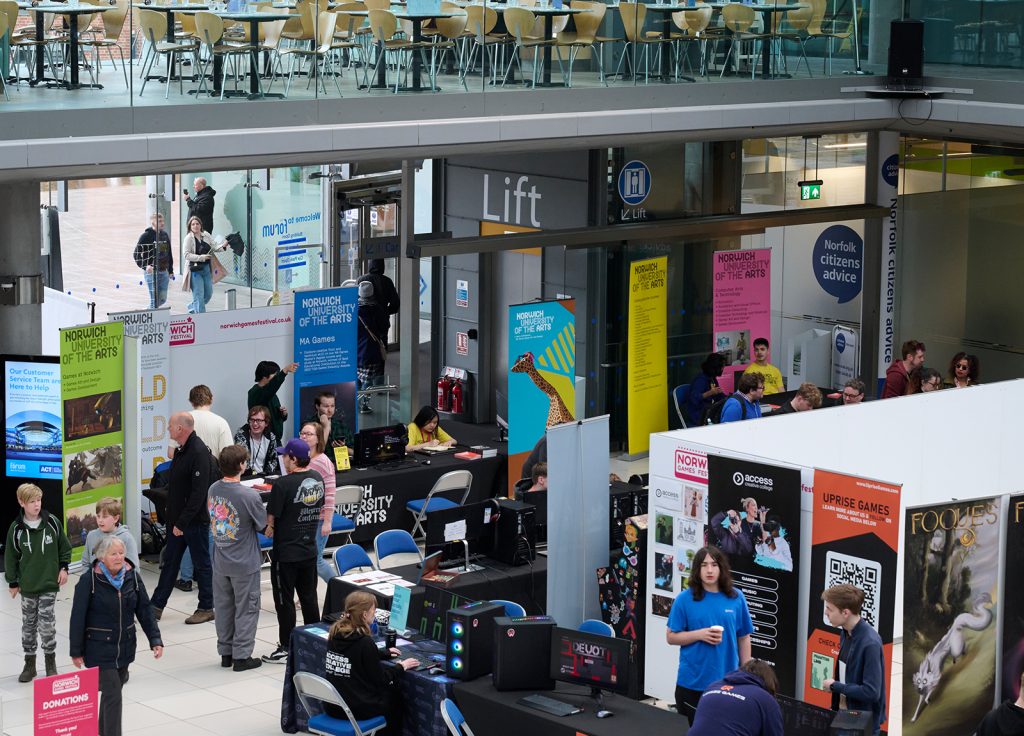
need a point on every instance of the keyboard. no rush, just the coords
(396, 465)
(549, 705)
(459, 561)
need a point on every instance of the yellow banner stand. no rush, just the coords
(647, 359)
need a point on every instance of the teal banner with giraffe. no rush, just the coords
(541, 376)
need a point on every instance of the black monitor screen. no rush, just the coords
(447, 527)
(804, 718)
(381, 444)
(590, 659)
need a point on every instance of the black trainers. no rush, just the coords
(278, 656)
(183, 585)
(249, 663)
(225, 660)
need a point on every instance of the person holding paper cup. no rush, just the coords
(711, 624)
(313, 435)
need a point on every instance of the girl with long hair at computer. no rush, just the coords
(425, 431)
(356, 667)
(711, 625)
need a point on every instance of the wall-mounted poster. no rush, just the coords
(754, 512)
(950, 599)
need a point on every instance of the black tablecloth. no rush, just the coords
(385, 492)
(422, 693)
(525, 584)
(497, 713)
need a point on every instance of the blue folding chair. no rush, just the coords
(351, 556)
(311, 687)
(393, 542)
(596, 626)
(453, 482)
(266, 544)
(511, 607)
(680, 395)
(454, 719)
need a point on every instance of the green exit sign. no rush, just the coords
(810, 190)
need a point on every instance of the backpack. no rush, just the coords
(714, 413)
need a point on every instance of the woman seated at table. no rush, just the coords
(424, 431)
(354, 666)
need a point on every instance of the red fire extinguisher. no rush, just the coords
(444, 386)
(457, 407)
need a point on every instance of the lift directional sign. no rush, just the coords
(810, 189)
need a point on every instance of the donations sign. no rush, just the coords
(950, 599)
(66, 705)
(153, 329)
(1013, 600)
(754, 512)
(325, 349)
(91, 388)
(742, 307)
(647, 355)
(855, 540)
(541, 375)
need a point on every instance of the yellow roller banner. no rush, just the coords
(647, 359)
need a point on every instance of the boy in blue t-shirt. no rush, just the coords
(710, 622)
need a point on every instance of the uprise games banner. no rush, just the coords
(754, 512)
(855, 541)
(950, 599)
(1013, 600)
(92, 387)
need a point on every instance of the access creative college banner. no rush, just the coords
(950, 598)
(91, 388)
(764, 557)
(325, 349)
(541, 377)
(1013, 600)
(647, 372)
(152, 328)
(856, 540)
(742, 295)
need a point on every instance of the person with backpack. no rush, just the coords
(745, 403)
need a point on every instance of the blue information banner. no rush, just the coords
(325, 349)
(32, 419)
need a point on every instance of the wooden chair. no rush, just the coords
(520, 23)
(633, 17)
(326, 24)
(738, 20)
(154, 30)
(4, 28)
(694, 25)
(384, 27)
(793, 27)
(450, 36)
(585, 35)
(210, 31)
(113, 23)
(819, 27)
(480, 23)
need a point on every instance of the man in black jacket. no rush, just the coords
(191, 475)
(201, 205)
(153, 255)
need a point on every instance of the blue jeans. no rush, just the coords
(196, 539)
(157, 295)
(324, 568)
(187, 571)
(202, 289)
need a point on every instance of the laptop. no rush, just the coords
(431, 564)
(380, 445)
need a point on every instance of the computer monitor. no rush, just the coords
(381, 444)
(804, 718)
(447, 529)
(600, 662)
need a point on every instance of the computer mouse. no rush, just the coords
(436, 671)
(604, 714)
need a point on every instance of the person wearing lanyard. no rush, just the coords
(424, 431)
(261, 442)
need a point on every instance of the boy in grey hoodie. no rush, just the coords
(108, 523)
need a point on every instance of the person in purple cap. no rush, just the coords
(293, 515)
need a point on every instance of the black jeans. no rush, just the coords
(196, 539)
(686, 702)
(287, 578)
(111, 682)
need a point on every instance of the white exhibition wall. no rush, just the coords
(940, 446)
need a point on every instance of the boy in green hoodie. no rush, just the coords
(36, 562)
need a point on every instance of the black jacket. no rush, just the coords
(147, 253)
(355, 669)
(201, 206)
(1006, 720)
(189, 480)
(373, 321)
(103, 619)
(384, 291)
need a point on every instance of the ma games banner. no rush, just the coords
(950, 599)
(856, 540)
(754, 517)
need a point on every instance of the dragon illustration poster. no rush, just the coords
(1013, 600)
(541, 376)
(950, 600)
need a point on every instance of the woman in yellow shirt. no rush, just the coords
(425, 432)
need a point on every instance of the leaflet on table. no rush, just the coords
(387, 589)
(364, 578)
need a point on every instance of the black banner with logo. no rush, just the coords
(950, 599)
(754, 517)
(1013, 600)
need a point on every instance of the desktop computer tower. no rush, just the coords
(469, 639)
(515, 533)
(522, 653)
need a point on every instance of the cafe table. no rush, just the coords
(169, 10)
(548, 12)
(72, 11)
(767, 10)
(669, 9)
(417, 37)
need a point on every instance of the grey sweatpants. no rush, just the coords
(236, 599)
(38, 618)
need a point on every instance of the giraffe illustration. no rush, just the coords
(558, 413)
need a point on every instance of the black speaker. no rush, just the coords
(515, 533)
(469, 651)
(906, 54)
(522, 653)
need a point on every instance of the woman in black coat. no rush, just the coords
(108, 600)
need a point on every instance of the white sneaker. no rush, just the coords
(278, 656)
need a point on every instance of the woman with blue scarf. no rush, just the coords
(108, 600)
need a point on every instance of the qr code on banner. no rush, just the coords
(865, 574)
